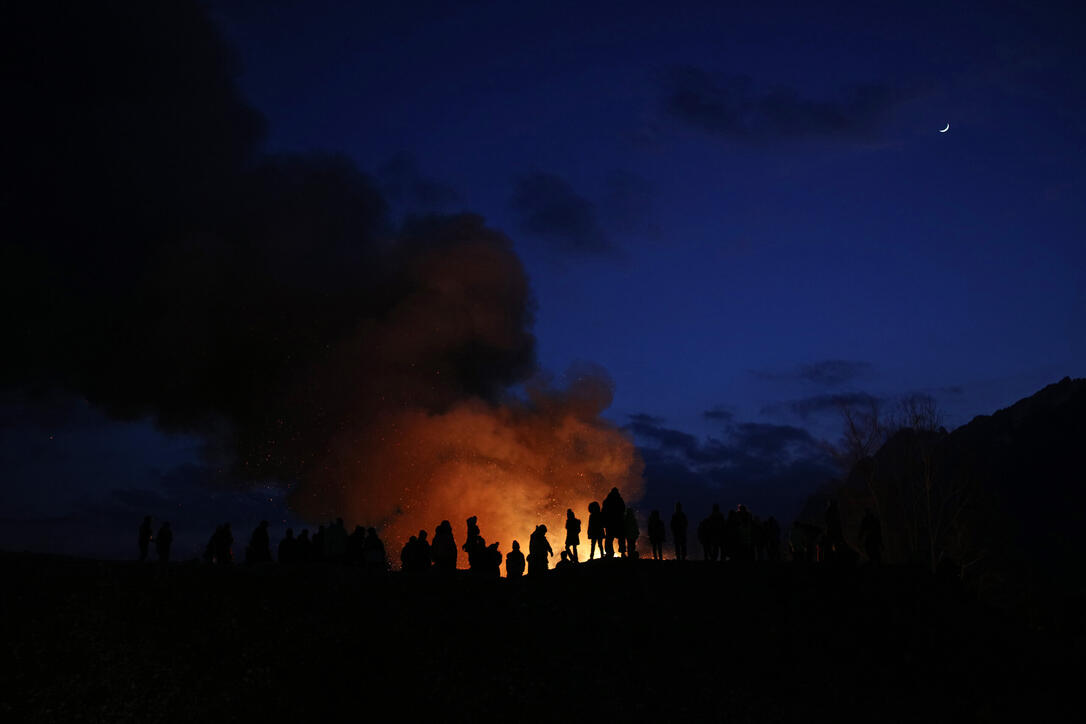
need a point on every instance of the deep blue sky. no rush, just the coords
(732, 208)
(700, 254)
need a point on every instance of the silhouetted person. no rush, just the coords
(757, 539)
(288, 549)
(473, 534)
(871, 536)
(304, 547)
(834, 530)
(573, 534)
(678, 531)
(614, 522)
(407, 555)
(374, 553)
(715, 534)
(834, 543)
(744, 534)
(259, 550)
(317, 545)
(415, 556)
(335, 542)
(656, 535)
(355, 554)
(225, 552)
(475, 547)
(443, 551)
(514, 562)
(145, 537)
(539, 551)
(219, 550)
(595, 530)
(493, 561)
(163, 542)
(212, 546)
(565, 565)
(631, 532)
(422, 552)
(773, 538)
(703, 538)
(803, 541)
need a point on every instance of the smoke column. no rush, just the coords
(158, 263)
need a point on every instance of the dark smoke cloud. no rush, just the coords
(158, 264)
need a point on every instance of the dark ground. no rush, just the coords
(617, 640)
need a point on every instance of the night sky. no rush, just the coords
(742, 214)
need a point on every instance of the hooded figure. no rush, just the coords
(443, 549)
(614, 522)
(145, 537)
(163, 542)
(514, 562)
(656, 535)
(288, 548)
(678, 531)
(632, 532)
(573, 534)
(539, 551)
(259, 549)
(595, 530)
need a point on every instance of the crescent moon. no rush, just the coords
(945, 129)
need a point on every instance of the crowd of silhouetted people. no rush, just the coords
(612, 531)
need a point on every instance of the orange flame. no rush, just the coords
(514, 466)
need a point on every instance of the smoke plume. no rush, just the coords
(156, 262)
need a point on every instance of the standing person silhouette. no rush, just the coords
(871, 536)
(656, 535)
(224, 545)
(678, 531)
(443, 549)
(715, 533)
(303, 550)
(163, 542)
(145, 537)
(773, 538)
(288, 548)
(631, 532)
(539, 551)
(614, 522)
(514, 562)
(573, 534)
(475, 547)
(259, 548)
(595, 530)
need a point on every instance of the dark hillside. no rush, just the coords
(1000, 500)
(91, 641)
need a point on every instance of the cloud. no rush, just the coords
(547, 207)
(734, 107)
(808, 407)
(406, 187)
(824, 373)
(770, 467)
(165, 269)
(642, 418)
(718, 413)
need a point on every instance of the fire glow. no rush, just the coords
(514, 465)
